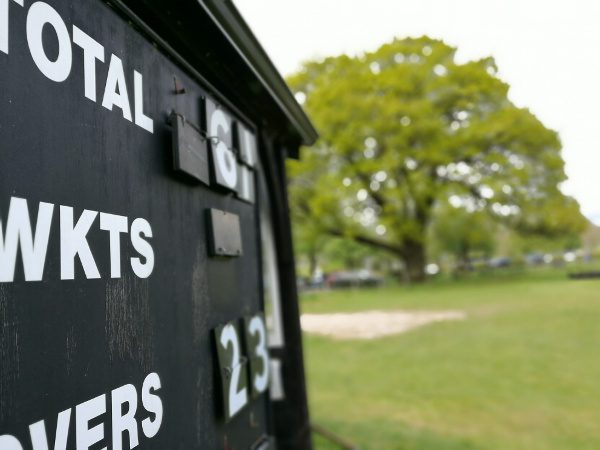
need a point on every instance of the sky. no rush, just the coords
(547, 50)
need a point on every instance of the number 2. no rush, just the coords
(233, 370)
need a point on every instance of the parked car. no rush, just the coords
(354, 278)
(535, 259)
(501, 261)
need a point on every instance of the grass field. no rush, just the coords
(522, 372)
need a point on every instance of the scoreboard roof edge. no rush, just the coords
(226, 15)
(213, 38)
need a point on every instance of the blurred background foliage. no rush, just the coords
(423, 165)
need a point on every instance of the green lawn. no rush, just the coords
(522, 372)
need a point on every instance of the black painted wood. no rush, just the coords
(63, 342)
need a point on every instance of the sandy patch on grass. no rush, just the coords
(373, 324)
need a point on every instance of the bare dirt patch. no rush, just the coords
(373, 324)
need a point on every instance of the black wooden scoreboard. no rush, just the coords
(147, 286)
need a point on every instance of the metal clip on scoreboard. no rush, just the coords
(147, 285)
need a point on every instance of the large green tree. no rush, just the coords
(406, 126)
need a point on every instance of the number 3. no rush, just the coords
(256, 342)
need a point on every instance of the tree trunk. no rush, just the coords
(413, 255)
(463, 263)
(410, 251)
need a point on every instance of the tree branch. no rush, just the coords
(367, 240)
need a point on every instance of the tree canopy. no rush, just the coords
(406, 127)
